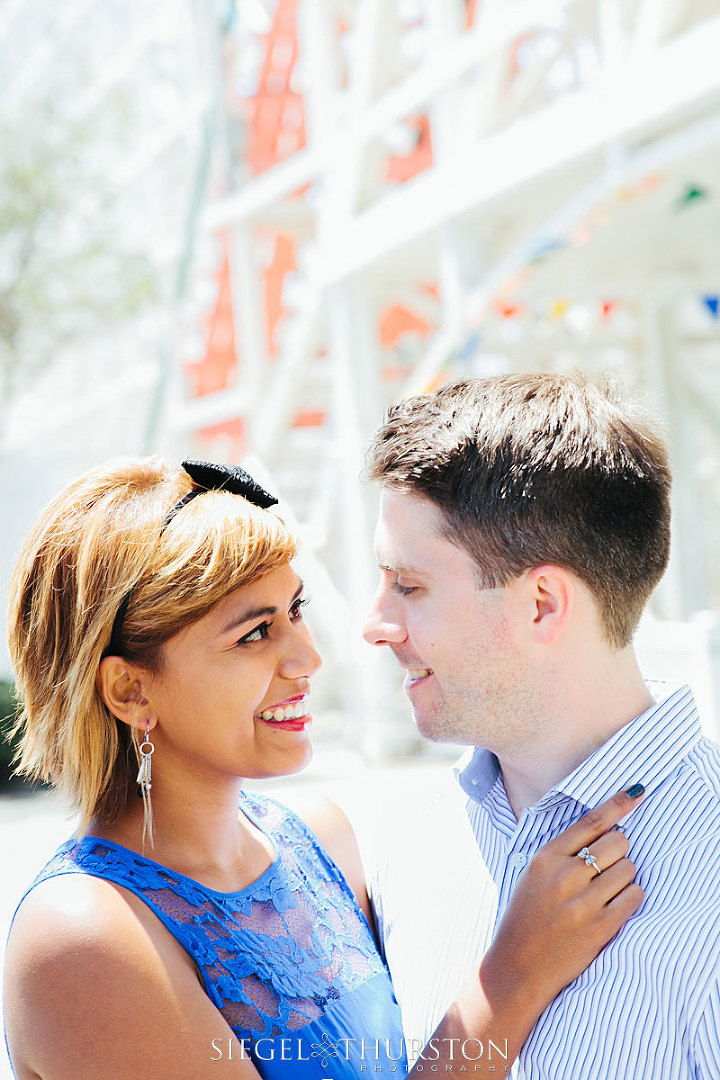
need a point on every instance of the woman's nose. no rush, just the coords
(302, 658)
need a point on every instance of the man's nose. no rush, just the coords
(383, 625)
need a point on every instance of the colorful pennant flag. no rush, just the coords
(693, 193)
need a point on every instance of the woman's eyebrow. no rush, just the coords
(257, 613)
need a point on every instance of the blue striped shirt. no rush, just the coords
(442, 868)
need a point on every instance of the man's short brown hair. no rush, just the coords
(539, 468)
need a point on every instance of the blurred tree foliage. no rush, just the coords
(7, 750)
(66, 269)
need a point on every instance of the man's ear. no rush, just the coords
(121, 687)
(552, 599)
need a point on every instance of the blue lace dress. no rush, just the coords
(289, 961)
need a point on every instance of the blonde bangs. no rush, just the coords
(216, 543)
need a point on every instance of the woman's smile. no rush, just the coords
(291, 715)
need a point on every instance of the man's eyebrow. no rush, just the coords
(251, 614)
(397, 568)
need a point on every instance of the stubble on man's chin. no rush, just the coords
(501, 727)
(447, 727)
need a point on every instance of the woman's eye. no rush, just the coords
(258, 634)
(296, 609)
(403, 590)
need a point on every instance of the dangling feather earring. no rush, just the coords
(144, 777)
(144, 782)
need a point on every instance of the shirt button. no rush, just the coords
(518, 859)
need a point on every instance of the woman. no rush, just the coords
(156, 620)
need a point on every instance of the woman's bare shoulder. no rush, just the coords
(96, 985)
(64, 912)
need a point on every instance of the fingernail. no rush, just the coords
(635, 791)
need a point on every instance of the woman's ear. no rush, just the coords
(121, 688)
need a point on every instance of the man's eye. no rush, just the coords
(258, 634)
(404, 590)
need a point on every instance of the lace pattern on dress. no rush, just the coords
(275, 955)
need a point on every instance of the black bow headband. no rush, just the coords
(209, 477)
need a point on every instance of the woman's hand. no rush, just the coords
(563, 910)
(561, 915)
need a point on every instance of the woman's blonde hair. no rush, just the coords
(99, 540)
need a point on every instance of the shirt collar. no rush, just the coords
(647, 750)
(476, 772)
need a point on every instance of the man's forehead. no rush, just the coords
(403, 511)
(403, 553)
(408, 537)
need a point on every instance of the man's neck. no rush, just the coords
(584, 715)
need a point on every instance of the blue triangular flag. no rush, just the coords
(712, 303)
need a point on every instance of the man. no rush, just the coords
(524, 522)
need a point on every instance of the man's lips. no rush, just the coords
(417, 675)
